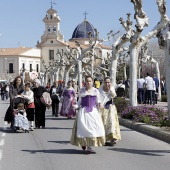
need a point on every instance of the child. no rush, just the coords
(29, 96)
(20, 119)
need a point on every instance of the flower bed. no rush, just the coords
(146, 114)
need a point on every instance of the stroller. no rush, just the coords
(20, 120)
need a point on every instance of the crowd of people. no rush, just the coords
(96, 121)
(148, 88)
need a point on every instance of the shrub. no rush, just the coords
(151, 115)
(121, 104)
(164, 98)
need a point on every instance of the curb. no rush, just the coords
(149, 130)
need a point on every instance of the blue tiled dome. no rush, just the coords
(82, 29)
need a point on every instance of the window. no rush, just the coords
(11, 69)
(30, 67)
(51, 54)
(37, 67)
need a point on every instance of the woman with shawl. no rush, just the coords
(109, 112)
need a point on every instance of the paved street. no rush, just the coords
(49, 149)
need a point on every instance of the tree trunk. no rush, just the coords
(133, 74)
(124, 70)
(113, 66)
(66, 73)
(51, 79)
(57, 75)
(139, 71)
(167, 77)
(92, 66)
(45, 79)
(158, 76)
(79, 73)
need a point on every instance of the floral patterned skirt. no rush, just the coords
(111, 123)
(91, 141)
(21, 121)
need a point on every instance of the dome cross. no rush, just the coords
(85, 14)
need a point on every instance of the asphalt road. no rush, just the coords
(49, 149)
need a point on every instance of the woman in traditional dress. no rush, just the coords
(68, 98)
(109, 112)
(88, 128)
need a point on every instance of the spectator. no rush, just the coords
(48, 87)
(140, 84)
(156, 82)
(97, 84)
(150, 86)
(127, 86)
(54, 93)
(40, 108)
(120, 89)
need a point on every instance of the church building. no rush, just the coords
(52, 40)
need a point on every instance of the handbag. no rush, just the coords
(43, 101)
(55, 97)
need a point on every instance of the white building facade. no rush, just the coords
(13, 61)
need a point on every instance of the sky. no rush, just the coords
(21, 20)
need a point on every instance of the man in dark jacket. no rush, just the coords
(54, 93)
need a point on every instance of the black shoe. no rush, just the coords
(43, 127)
(83, 147)
(56, 115)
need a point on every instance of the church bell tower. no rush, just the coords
(52, 28)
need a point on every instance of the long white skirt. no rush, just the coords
(89, 124)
